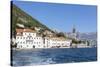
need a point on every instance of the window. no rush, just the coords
(23, 37)
(25, 33)
(20, 37)
(29, 37)
(17, 37)
(21, 46)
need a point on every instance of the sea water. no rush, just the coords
(52, 56)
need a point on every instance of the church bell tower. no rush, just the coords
(74, 29)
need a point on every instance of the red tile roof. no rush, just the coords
(24, 30)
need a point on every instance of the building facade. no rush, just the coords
(27, 38)
(59, 42)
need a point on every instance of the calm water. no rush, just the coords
(53, 56)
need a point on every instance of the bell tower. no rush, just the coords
(74, 29)
(74, 32)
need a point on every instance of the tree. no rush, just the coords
(61, 34)
(14, 46)
(88, 43)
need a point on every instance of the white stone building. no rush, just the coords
(27, 38)
(57, 42)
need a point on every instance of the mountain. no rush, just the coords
(88, 36)
(85, 36)
(21, 19)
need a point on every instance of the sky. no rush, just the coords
(62, 17)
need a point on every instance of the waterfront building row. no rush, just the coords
(27, 38)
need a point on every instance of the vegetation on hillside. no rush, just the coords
(21, 17)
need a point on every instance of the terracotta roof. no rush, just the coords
(24, 30)
(28, 30)
(19, 30)
(19, 34)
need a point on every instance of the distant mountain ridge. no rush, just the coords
(21, 19)
(88, 36)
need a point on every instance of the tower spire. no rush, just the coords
(74, 29)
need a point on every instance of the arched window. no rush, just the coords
(33, 46)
